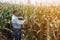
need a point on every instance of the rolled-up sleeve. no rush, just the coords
(19, 22)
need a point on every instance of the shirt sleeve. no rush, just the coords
(18, 22)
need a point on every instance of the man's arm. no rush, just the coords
(18, 22)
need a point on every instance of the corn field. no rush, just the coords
(42, 22)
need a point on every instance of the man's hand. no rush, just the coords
(25, 21)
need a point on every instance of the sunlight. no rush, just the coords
(33, 2)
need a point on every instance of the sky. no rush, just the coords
(33, 2)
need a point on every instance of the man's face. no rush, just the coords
(16, 13)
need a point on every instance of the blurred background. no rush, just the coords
(42, 19)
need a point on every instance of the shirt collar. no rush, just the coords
(14, 16)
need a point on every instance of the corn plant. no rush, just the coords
(42, 23)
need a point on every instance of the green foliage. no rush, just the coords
(42, 23)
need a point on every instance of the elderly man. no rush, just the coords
(16, 25)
